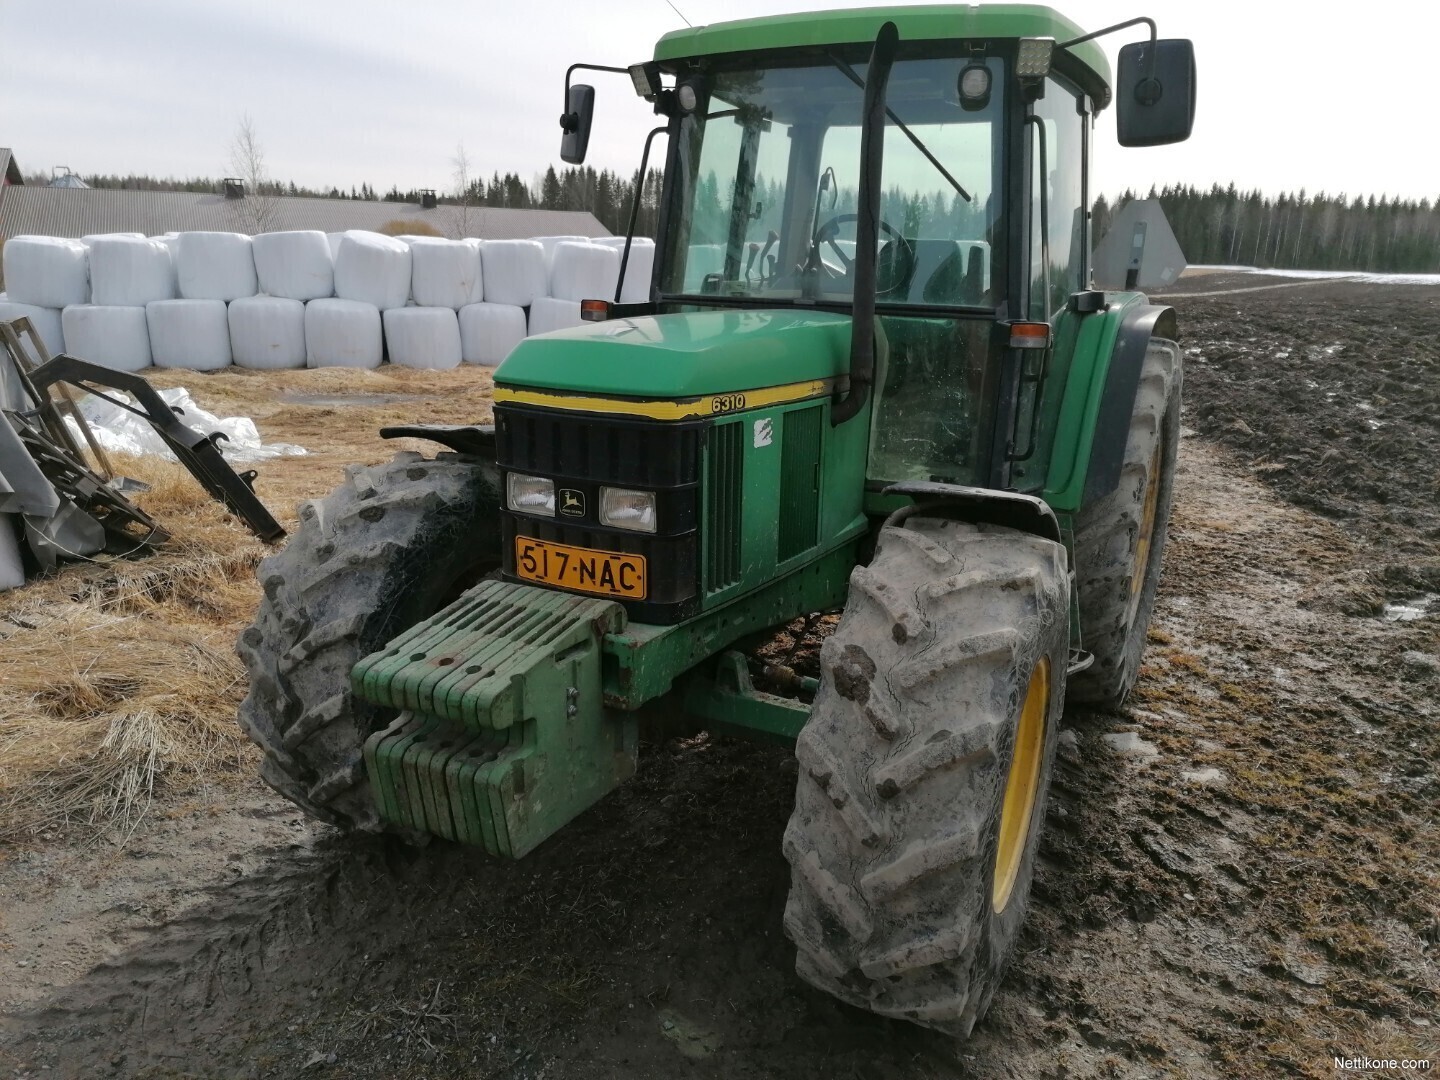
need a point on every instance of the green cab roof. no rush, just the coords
(929, 22)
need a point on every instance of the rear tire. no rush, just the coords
(391, 546)
(1120, 539)
(909, 878)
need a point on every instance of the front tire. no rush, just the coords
(390, 547)
(924, 769)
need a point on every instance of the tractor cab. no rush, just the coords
(874, 231)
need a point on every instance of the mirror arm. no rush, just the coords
(1150, 64)
(568, 120)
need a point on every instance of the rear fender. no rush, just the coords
(1099, 397)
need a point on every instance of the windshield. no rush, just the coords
(767, 178)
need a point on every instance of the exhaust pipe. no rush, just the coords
(867, 227)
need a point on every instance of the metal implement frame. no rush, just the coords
(196, 452)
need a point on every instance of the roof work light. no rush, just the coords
(646, 78)
(1034, 59)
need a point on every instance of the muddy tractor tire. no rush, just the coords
(389, 547)
(1120, 539)
(924, 769)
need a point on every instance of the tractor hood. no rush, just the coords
(686, 355)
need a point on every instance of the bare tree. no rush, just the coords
(259, 210)
(463, 191)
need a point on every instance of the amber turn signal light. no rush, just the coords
(1029, 335)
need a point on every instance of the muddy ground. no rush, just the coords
(1239, 874)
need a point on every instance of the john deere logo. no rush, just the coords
(572, 502)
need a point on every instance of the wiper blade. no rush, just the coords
(850, 73)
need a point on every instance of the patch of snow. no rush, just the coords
(1131, 744)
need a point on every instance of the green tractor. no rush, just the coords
(872, 377)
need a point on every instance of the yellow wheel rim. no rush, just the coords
(1022, 786)
(1147, 528)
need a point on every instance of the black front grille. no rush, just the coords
(644, 454)
(582, 452)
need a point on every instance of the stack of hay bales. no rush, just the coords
(204, 300)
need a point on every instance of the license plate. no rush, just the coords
(605, 573)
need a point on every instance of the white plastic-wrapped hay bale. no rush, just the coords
(333, 239)
(583, 271)
(514, 271)
(130, 271)
(113, 337)
(267, 333)
(343, 333)
(638, 268)
(423, 337)
(549, 243)
(489, 331)
(46, 322)
(46, 271)
(373, 269)
(189, 334)
(444, 273)
(548, 314)
(294, 265)
(216, 266)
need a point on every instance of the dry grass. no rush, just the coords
(118, 678)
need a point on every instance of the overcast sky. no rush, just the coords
(348, 91)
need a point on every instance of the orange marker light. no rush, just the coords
(594, 310)
(1029, 335)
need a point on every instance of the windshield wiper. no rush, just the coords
(849, 72)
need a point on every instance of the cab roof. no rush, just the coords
(929, 22)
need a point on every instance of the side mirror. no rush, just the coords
(1155, 92)
(576, 124)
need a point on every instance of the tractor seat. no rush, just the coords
(946, 272)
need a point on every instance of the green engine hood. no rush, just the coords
(683, 356)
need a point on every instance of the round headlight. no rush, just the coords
(686, 97)
(974, 86)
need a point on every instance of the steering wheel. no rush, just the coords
(830, 229)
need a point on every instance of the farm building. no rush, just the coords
(83, 211)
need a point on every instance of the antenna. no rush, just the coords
(677, 11)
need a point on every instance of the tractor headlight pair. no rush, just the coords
(620, 508)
